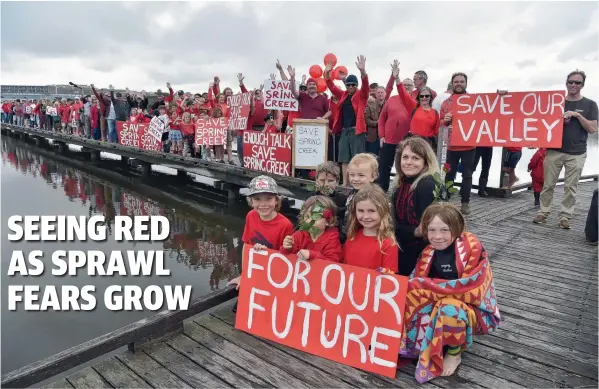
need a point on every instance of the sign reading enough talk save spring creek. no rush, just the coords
(517, 119)
(267, 152)
(344, 313)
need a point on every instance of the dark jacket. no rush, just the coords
(104, 103)
(121, 108)
(407, 208)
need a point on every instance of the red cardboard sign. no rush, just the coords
(517, 119)
(137, 135)
(239, 110)
(211, 131)
(343, 313)
(267, 152)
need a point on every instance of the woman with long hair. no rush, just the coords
(415, 163)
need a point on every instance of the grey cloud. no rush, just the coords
(579, 48)
(556, 20)
(526, 63)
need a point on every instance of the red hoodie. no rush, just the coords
(64, 111)
(536, 170)
(327, 246)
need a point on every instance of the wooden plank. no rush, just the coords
(118, 375)
(244, 359)
(509, 264)
(518, 292)
(184, 368)
(528, 367)
(312, 375)
(343, 372)
(553, 282)
(74, 356)
(499, 372)
(152, 372)
(558, 336)
(452, 382)
(532, 353)
(60, 384)
(215, 364)
(541, 286)
(87, 378)
(509, 313)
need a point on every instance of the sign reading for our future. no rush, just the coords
(277, 95)
(344, 313)
(518, 119)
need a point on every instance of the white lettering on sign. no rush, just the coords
(277, 95)
(211, 131)
(310, 143)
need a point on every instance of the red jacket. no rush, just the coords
(64, 111)
(422, 123)
(94, 116)
(536, 169)
(327, 246)
(394, 121)
(358, 101)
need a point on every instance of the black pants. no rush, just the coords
(590, 228)
(386, 160)
(486, 154)
(333, 147)
(467, 159)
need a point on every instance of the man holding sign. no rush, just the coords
(580, 120)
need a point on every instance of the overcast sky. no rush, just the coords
(507, 45)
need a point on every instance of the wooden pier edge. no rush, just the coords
(164, 323)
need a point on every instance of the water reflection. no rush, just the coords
(198, 251)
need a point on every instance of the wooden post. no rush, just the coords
(95, 156)
(442, 145)
(62, 147)
(146, 169)
(124, 160)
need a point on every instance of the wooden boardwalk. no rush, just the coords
(546, 280)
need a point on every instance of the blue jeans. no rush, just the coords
(96, 133)
(373, 147)
(240, 149)
(112, 134)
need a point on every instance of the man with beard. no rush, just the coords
(313, 105)
(455, 154)
(580, 120)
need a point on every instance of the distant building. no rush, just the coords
(29, 92)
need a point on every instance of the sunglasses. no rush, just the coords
(571, 82)
(354, 85)
(425, 96)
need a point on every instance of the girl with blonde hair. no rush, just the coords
(370, 234)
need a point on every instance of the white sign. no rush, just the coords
(277, 95)
(28, 109)
(310, 142)
(156, 128)
(51, 111)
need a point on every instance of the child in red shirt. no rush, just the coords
(188, 130)
(370, 235)
(322, 241)
(535, 168)
(269, 124)
(264, 227)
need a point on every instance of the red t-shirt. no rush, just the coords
(365, 251)
(312, 108)
(327, 246)
(270, 233)
(187, 128)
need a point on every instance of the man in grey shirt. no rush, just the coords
(580, 120)
(86, 114)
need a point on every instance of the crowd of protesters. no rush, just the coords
(361, 119)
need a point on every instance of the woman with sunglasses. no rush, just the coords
(424, 119)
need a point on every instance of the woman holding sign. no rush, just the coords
(451, 295)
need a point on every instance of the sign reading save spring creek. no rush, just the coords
(211, 131)
(343, 313)
(137, 135)
(518, 119)
(277, 95)
(239, 110)
(267, 152)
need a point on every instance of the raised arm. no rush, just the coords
(365, 89)
(240, 77)
(282, 72)
(294, 92)
(338, 93)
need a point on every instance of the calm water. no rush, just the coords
(198, 252)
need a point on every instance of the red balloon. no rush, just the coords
(330, 57)
(315, 71)
(321, 85)
(335, 74)
(341, 72)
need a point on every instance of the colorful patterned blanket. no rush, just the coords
(448, 313)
